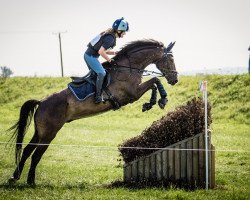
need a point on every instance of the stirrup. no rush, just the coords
(99, 99)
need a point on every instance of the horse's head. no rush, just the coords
(167, 66)
(141, 53)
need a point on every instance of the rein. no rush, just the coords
(117, 67)
(139, 71)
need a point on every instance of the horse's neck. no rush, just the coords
(138, 58)
(146, 60)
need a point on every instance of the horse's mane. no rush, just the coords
(134, 45)
(137, 44)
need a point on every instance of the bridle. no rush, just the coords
(117, 67)
(165, 56)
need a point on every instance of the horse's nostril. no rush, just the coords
(174, 82)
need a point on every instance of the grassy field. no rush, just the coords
(83, 160)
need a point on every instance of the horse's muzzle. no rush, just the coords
(173, 82)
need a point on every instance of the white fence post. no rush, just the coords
(203, 88)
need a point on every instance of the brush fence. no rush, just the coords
(181, 167)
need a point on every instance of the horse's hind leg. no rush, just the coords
(25, 155)
(36, 157)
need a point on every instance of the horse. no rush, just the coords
(51, 113)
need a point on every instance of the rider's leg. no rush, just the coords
(91, 71)
(95, 65)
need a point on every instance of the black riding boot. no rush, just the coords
(98, 94)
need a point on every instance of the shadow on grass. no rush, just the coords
(114, 185)
(150, 184)
(83, 186)
(23, 186)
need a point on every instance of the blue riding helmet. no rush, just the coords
(120, 25)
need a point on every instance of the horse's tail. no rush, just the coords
(20, 128)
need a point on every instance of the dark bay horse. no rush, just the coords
(62, 107)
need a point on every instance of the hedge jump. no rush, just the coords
(181, 167)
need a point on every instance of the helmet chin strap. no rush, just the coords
(119, 34)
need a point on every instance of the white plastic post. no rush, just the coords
(203, 88)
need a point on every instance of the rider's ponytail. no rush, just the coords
(109, 30)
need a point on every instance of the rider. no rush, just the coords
(101, 45)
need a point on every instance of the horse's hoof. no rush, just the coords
(162, 103)
(146, 106)
(31, 183)
(12, 181)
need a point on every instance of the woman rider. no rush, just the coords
(101, 45)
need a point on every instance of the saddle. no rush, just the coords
(83, 87)
(91, 79)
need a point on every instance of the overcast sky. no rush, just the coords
(208, 33)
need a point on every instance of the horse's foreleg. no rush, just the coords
(152, 102)
(142, 89)
(163, 100)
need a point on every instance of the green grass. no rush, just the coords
(81, 172)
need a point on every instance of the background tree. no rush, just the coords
(6, 72)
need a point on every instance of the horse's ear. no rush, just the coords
(169, 47)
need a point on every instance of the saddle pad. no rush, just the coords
(82, 91)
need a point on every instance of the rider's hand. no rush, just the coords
(112, 62)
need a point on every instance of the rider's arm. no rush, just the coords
(102, 52)
(111, 52)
